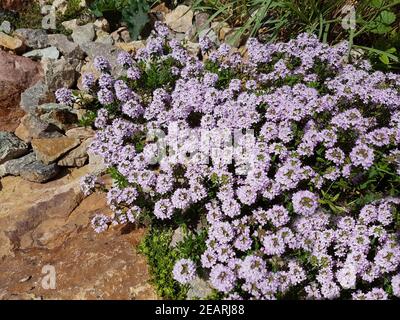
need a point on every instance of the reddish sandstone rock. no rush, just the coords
(16, 75)
(14, 5)
(49, 224)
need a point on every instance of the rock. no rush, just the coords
(229, 35)
(16, 75)
(10, 43)
(104, 37)
(31, 127)
(201, 21)
(180, 19)
(48, 107)
(210, 33)
(15, 5)
(96, 163)
(199, 289)
(126, 36)
(80, 133)
(39, 172)
(5, 27)
(33, 38)
(70, 25)
(62, 117)
(29, 168)
(11, 147)
(161, 8)
(193, 48)
(102, 24)
(132, 46)
(60, 6)
(216, 26)
(58, 73)
(223, 32)
(69, 49)
(83, 34)
(178, 236)
(55, 230)
(50, 150)
(35, 95)
(77, 157)
(25, 205)
(47, 53)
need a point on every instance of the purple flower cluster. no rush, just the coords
(287, 213)
(64, 96)
(184, 271)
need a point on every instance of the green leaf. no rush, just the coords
(387, 17)
(376, 3)
(136, 17)
(384, 58)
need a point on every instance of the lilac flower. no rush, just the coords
(205, 44)
(64, 96)
(163, 209)
(133, 73)
(305, 202)
(222, 278)
(396, 285)
(125, 59)
(101, 64)
(105, 96)
(88, 184)
(88, 81)
(184, 271)
(100, 222)
(362, 155)
(238, 191)
(106, 81)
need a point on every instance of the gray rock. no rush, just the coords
(201, 20)
(199, 289)
(48, 107)
(39, 172)
(11, 146)
(33, 38)
(102, 24)
(5, 27)
(96, 163)
(35, 95)
(61, 116)
(48, 53)
(83, 34)
(14, 167)
(125, 36)
(59, 73)
(64, 119)
(211, 34)
(177, 237)
(105, 39)
(70, 25)
(30, 169)
(69, 49)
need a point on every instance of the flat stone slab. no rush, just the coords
(48, 150)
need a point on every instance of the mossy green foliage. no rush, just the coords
(28, 17)
(161, 257)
